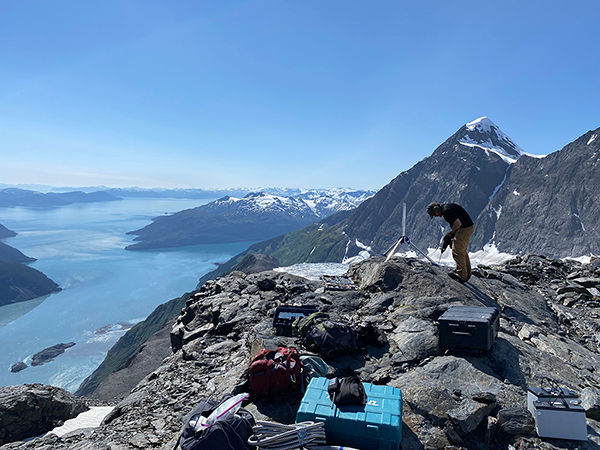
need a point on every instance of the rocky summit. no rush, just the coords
(549, 327)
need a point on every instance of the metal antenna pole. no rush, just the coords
(405, 240)
(403, 219)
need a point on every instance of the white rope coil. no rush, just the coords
(276, 436)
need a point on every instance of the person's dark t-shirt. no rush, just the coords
(452, 211)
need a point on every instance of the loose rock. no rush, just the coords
(514, 420)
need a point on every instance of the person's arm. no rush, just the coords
(455, 226)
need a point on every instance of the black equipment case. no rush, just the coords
(468, 328)
(285, 315)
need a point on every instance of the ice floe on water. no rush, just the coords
(110, 332)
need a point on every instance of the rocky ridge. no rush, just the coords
(449, 399)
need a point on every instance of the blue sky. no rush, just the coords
(311, 93)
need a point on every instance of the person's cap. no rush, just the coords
(432, 208)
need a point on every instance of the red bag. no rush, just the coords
(274, 371)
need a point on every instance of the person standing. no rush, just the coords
(462, 228)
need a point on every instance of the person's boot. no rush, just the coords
(456, 277)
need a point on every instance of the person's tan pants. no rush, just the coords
(460, 253)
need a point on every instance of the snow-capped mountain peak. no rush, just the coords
(266, 201)
(325, 202)
(318, 202)
(261, 202)
(484, 134)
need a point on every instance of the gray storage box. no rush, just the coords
(555, 419)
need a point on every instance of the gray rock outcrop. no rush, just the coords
(517, 421)
(32, 409)
(590, 400)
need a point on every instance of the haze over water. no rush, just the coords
(81, 247)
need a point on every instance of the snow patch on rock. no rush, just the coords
(362, 255)
(363, 246)
(489, 255)
(87, 419)
(313, 271)
(586, 259)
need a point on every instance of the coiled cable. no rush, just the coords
(277, 436)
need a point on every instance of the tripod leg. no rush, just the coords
(391, 252)
(422, 253)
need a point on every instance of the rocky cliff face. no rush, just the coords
(548, 205)
(549, 326)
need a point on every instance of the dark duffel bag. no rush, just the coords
(331, 339)
(229, 434)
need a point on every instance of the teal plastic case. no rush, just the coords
(375, 426)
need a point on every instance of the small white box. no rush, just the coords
(560, 419)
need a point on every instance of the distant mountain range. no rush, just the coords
(521, 203)
(19, 282)
(177, 193)
(12, 197)
(254, 217)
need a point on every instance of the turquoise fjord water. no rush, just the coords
(81, 247)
